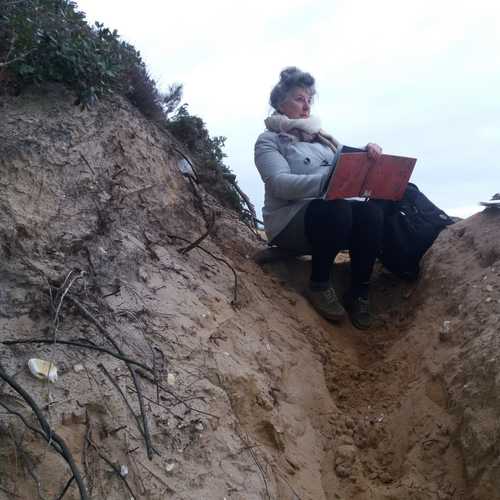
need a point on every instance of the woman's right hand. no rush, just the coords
(374, 151)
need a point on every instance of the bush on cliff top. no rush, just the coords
(50, 40)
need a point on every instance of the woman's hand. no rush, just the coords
(374, 151)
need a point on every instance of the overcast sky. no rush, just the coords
(421, 78)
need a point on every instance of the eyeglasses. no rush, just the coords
(303, 99)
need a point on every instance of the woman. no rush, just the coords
(295, 159)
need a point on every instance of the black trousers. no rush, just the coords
(334, 225)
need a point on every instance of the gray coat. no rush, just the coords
(293, 173)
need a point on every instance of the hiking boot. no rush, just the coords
(326, 303)
(359, 312)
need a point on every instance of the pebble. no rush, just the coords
(489, 288)
(169, 467)
(78, 368)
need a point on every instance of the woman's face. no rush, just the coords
(297, 104)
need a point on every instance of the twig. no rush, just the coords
(261, 469)
(49, 435)
(23, 419)
(4, 64)
(178, 398)
(219, 259)
(285, 480)
(14, 2)
(149, 246)
(65, 290)
(118, 172)
(62, 292)
(115, 468)
(27, 462)
(155, 376)
(198, 198)
(170, 490)
(145, 425)
(66, 488)
(231, 178)
(90, 480)
(110, 294)
(196, 243)
(87, 163)
(250, 448)
(122, 394)
(9, 52)
(162, 370)
(18, 58)
(10, 493)
(122, 357)
(140, 190)
(118, 429)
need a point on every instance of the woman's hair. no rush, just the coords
(290, 78)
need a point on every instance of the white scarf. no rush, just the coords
(305, 129)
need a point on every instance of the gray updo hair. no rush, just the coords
(290, 78)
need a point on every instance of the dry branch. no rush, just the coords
(94, 347)
(122, 394)
(66, 488)
(10, 493)
(87, 163)
(46, 431)
(197, 242)
(178, 398)
(219, 259)
(115, 468)
(257, 463)
(15, 59)
(87, 314)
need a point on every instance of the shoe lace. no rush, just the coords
(363, 305)
(330, 295)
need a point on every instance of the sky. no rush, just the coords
(420, 78)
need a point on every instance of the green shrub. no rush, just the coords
(208, 152)
(50, 40)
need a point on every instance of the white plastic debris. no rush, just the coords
(171, 379)
(444, 334)
(42, 369)
(185, 167)
(123, 471)
(78, 368)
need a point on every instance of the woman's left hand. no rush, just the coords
(374, 151)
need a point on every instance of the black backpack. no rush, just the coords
(410, 228)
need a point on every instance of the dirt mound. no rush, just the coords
(174, 387)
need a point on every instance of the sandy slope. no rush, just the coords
(268, 400)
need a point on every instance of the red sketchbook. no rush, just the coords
(356, 175)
